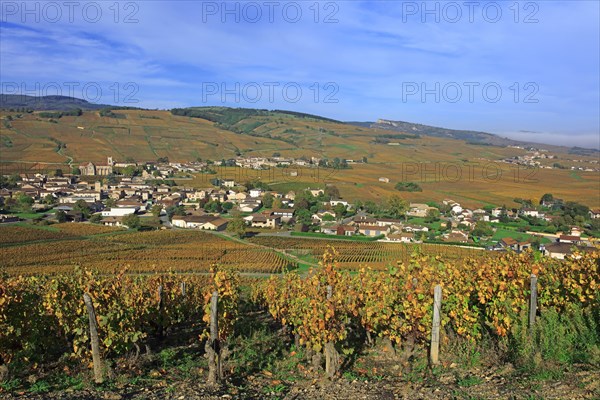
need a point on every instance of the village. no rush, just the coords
(145, 197)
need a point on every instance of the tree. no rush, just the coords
(110, 202)
(546, 198)
(61, 216)
(49, 199)
(301, 204)
(130, 171)
(58, 172)
(227, 206)
(132, 221)
(332, 192)
(397, 206)
(82, 207)
(340, 210)
(213, 207)
(482, 228)
(25, 202)
(156, 210)
(175, 210)
(277, 203)
(237, 225)
(75, 171)
(304, 216)
(433, 215)
(267, 200)
(96, 218)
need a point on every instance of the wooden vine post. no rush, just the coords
(435, 326)
(97, 360)
(213, 348)
(533, 300)
(332, 357)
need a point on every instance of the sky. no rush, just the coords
(527, 70)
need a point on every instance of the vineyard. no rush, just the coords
(488, 296)
(377, 255)
(155, 251)
(329, 314)
(14, 234)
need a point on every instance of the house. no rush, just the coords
(286, 214)
(255, 193)
(595, 213)
(248, 206)
(384, 180)
(228, 183)
(415, 228)
(575, 231)
(334, 203)
(402, 237)
(75, 216)
(263, 220)
(419, 210)
(509, 243)
(191, 221)
(346, 230)
(112, 221)
(364, 220)
(569, 239)
(387, 222)
(323, 216)
(530, 212)
(316, 192)
(562, 250)
(236, 196)
(456, 237)
(496, 212)
(119, 211)
(329, 229)
(217, 224)
(372, 230)
(456, 209)
(8, 218)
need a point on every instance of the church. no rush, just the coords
(91, 169)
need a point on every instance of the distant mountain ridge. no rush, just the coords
(475, 137)
(49, 103)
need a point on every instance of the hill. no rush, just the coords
(378, 159)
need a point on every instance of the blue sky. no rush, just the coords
(437, 63)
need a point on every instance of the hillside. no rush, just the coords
(443, 166)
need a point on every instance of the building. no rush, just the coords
(562, 250)
(419, 210)
(346, 230)
(372, 230)
(92, 169)
(402, 237)
(119, 211)
(263, 220)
